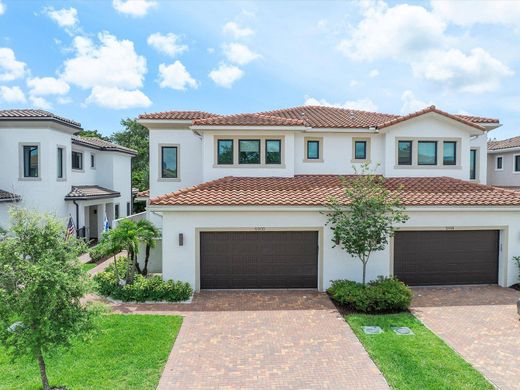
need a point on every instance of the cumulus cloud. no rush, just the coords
(12, 94)
(176, 76)
(360, 104)
(236, 31)
(135, 8)
(465, 13)
(117, 98)
(411, 103)
(39, 102)
(373, 73)
(167, 44)
(226, 75)
(238, 53)
(2, 8)
(10, 67)
(41, 86)
(65, 17)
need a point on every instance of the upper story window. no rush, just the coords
(449, 156)
(473, 164)
(273, 151)
(77, 160)
(60, 163)
(249, 151)
(404, 153)
(499, 163)
(427, 153)
(225, 152)
(313, 149)
(169, 162)
(92, 161)
(31, 161)
(517, 163)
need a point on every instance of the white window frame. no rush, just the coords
(440, 153)
(236, 146)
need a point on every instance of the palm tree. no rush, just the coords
(147, 233)
(126, 235)
(113, 239)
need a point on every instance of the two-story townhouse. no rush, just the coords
(504, 163)
(242, 197)
(48, 168)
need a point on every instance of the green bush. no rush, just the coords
(144, 288)
(380, 295)
(101, 251)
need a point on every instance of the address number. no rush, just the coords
(260, 229)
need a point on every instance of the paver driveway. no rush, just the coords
(481, 323)
(264, 340)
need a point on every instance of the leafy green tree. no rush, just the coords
(147, 233)
(135, 136)
(93, 134)
(41, 284)
(368, 222)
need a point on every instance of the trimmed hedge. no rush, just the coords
(144, 288)
(380, 295)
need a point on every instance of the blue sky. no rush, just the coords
(100, 61)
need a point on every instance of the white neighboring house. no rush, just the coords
(504, 163)
(242, 197)
(48, 168)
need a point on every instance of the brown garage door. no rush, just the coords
(258, 260)
(441, 257)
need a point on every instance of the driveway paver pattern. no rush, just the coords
(479, 322)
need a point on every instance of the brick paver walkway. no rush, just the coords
(481, 323)
(263, 340)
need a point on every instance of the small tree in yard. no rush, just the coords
(368, 222)
(147, 233)
(125, 235)
(41, 284)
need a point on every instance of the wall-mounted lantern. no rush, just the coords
(181, 239)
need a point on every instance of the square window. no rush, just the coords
(404, 153)
(225, 152)
(169, 162)
(499, 162)
(360, 150)
(249, 151)
(427, 153)
(449, 153)
(77, 160)
(273, 151)
(30, 161)
(313, 150)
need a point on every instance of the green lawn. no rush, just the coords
(88, 266)
(128, 352)
(421, 361)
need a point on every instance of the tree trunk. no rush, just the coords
(131, 267)
(136, 264)
(43, 371)
(147, 257)
(116, 273)
(364, 271)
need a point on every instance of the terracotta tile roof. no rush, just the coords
(143, 194)
(314, 190)
(90, 192)
(478, 119)
(6, 196)
(505, 144)
(177, 115)
(101, 144)
(250, 120)
(30, 114)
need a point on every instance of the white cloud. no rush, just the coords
(167, 44)
(236, 31)
(64, 100)
(225, 75)
(411, 103)
(176, 76)
(373, 73)
(40, 86)
(353, 83)
(135, 8)
(239, 54)
(10, 68)
(40, 102)
(117, 98)
(360, 104)
(12, 94)
(2, 8)
(466, 13)
(114, 63)
(475, 73)
(65, 17)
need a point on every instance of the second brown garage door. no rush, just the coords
(446, 257)
(250, 260)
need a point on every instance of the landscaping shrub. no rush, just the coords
(101, 251)
(150, 288)
(380, 295)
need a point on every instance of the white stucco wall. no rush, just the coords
(180, 262)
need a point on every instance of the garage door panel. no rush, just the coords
(440, 257)
(258, 260)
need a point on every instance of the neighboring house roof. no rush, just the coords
(6, 196)
(90, 192)
(35, 115)
(312, 116)
(177, 115)
(504, 144)
(315, 190)
(143, 194)
(100, 144)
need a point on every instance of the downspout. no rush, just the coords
(77, 218)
